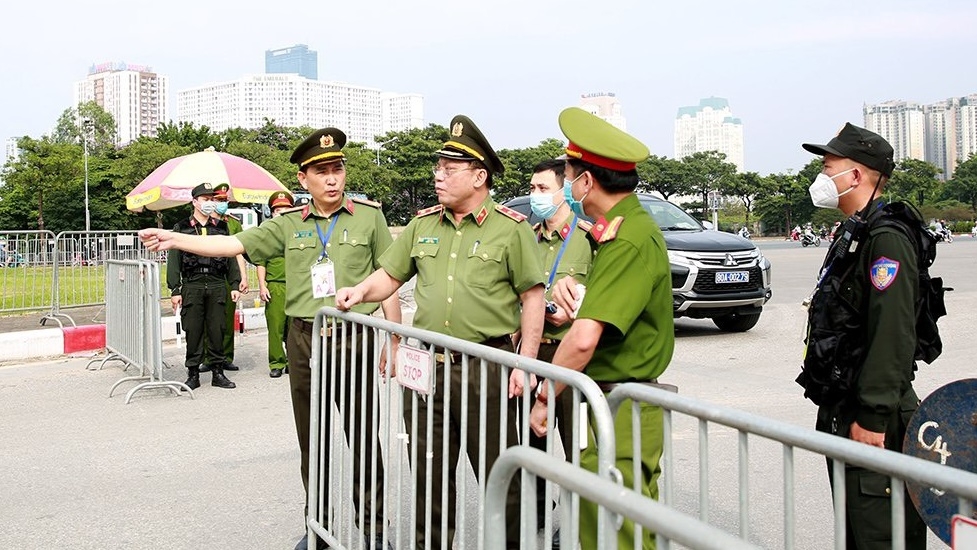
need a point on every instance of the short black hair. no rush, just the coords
(305, 169)
(612, 181)
(556, 165)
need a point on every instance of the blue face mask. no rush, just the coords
(542, 205)
(575, 205)
(221, 208)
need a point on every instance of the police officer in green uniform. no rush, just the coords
(271, 288)
(348, 234)
(234, 227)
(862, 324)
(563, 246)
(198, 286)
(623, 330)
(475, 263)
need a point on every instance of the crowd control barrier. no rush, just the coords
(668, 523)
(366, 465)
(900, 468)
(26, 270)
(133, 333)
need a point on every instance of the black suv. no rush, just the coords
(715, 275)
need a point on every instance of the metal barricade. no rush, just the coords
(79, 267)
(900, 468)
(355, 498)
(668, 523)
(27, 260)
(133, 332)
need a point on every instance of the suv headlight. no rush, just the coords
(678, 258)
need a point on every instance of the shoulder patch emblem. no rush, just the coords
(367, 202)
(883, 272)
(604, 231)
(430, 210)
(510, 213)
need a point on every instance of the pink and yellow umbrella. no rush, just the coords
(171, 183)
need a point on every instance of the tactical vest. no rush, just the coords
(191, 264)
(836, 339)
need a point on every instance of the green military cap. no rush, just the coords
(466, 142)
(594, 140)
(280, 199)
(324, 145)
(202, 189)
(220, 191)
(860, 145)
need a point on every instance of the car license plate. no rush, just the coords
(732, 277)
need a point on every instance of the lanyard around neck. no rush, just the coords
(563, 248)
(325, 238)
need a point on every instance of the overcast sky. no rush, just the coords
(792, 71)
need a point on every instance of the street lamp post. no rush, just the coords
(380, 146)
(85, 123)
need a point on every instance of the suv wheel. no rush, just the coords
(736, 322)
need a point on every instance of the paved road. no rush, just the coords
(86, 471)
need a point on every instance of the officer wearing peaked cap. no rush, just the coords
(625, 319)
(340, 240)
(221, 191)
(476, 264)
(873, 263)
(271, 289)
(199, 288)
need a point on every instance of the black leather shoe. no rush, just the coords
(221, 381)
(275, 373)
(230, 366)
(204, 368)
(193, 381)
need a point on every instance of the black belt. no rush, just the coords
(455, 356)
(206, 271)
(306, 327)
(607, 387)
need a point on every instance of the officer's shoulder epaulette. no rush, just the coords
(367, 202)
(605, 231)
(430, 210)
(510, 213)
(585, 225)
(293, 209)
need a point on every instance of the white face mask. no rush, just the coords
(208, 207)
(824, 192)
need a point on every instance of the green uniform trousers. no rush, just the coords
(652, 439)
(227, 345)
(867, 493)
(275, 321)
(446, 423)
(357, 389)
(202, 316)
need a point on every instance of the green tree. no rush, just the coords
(708, 171)
(745, 187)
(46, 173)
(194, 138)
(86, 119)
(664, 176)
(409, 159)
(133, 164)
(914, 181)
(963, 185)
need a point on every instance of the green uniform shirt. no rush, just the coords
(275, 269)
(890, 313)
(469, 275)
(233, 224)
(575, 262)
(358, 239)
(629, 289)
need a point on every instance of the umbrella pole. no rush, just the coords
(159, 220)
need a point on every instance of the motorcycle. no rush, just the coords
(810, 239)
(943, 236)
(744, 232)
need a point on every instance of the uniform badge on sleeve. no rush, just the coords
(883, 272)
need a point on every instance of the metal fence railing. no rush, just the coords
(354, 496)
(133, 333)
(43, 271)
(669, 524)
(901, 468)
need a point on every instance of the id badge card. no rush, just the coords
(323, 279)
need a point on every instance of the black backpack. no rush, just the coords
(930, 305)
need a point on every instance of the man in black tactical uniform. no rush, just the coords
(198, 286)
(861, 340)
